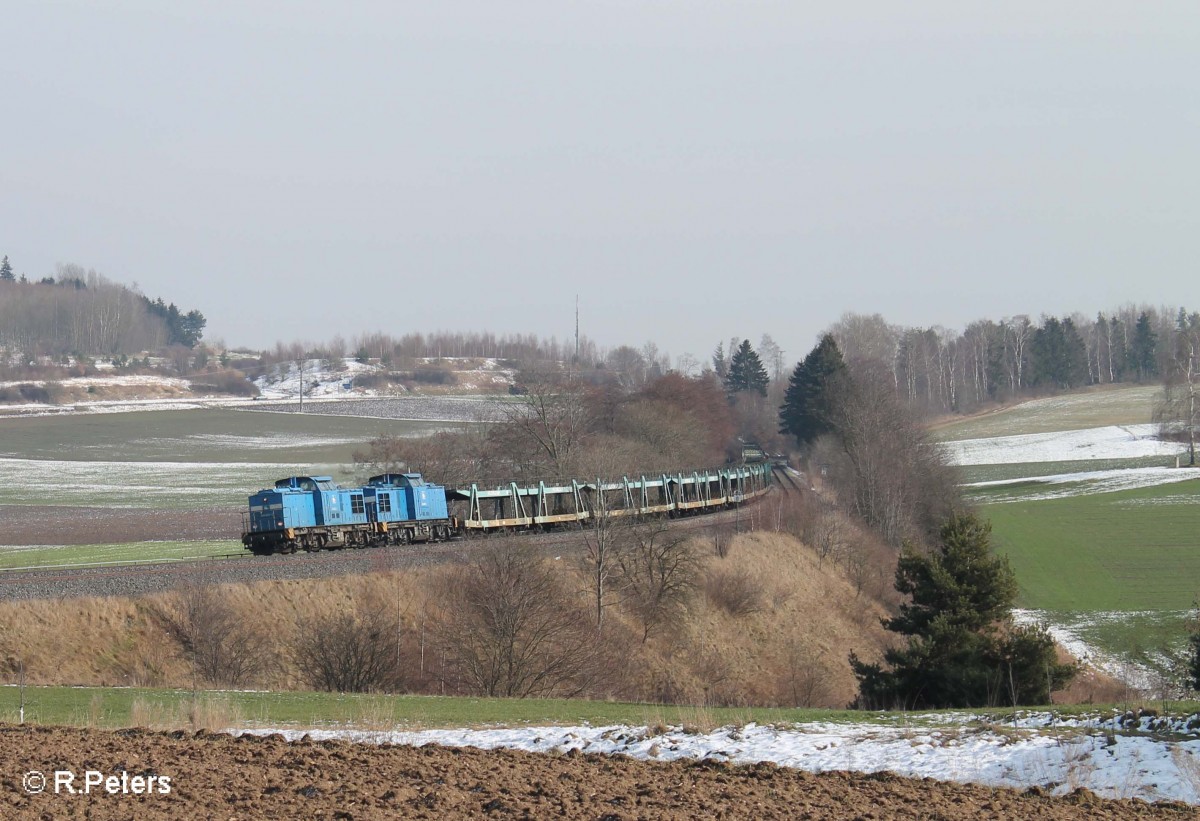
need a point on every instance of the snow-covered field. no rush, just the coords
(166, 485)
(1036, 749)
(1112, 442)
(1063, 485)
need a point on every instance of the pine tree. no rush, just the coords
(1143, 348)
(805, 412)
(6, 271)
(746, 372)
(962, 649)
(720, 364)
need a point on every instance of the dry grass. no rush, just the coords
(204, 712)
(781, 640)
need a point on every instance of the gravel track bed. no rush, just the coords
(428, 409)
(144, 579)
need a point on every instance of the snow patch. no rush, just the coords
(1020, 755)
(1089, 482)
(1112, 442)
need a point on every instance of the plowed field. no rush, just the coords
(217, 776)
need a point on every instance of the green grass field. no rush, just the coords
(128, 706)
(1127, 550)
(93, 555)
(1076, 411)
(122, 707)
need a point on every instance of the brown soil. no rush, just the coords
(26, 524)
(216, 776)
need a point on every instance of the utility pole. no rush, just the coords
(301, 364)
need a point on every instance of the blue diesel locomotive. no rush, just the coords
(313, 513)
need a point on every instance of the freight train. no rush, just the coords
(312, 513)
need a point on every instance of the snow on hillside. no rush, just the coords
(1065, 630)
(1034, 750)
(1112, 442)
(283, 380)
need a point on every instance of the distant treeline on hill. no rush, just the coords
(82, 312)
(947, 371)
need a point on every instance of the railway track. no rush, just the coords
(240, 568)
(788, 480)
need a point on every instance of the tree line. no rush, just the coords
(78, 312)
(945, 371)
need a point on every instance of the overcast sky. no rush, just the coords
(692, 170)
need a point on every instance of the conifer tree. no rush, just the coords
(1143, 348)
(746, 371)
(6, 271)
(805, 412)
(963, 650)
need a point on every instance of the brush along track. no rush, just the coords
(241, 567)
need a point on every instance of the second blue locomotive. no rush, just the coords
(313, 513)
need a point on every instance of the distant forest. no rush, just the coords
(946, 371)
(82, 313)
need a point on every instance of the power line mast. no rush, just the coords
(576, 329)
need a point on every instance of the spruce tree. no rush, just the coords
(963, 650)
(806, 405)
(6, 271)
(1143, 349)
(746, 371)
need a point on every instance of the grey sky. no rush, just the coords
(297, 170)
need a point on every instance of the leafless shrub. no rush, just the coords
(221, 646)
(826, 534)
(660, 572)
(804, 679)
(735, 591)
(510, 628)
(350, 652)
(722, 536)
(228, 381)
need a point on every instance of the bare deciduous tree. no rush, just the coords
(660, 571)
(511, 629)
(542, 432)
(603, 542)
(220, 645)
(1178, 413)
(350, 652)
(804, 681)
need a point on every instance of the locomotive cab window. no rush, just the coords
(356, 503)
(385, 502)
